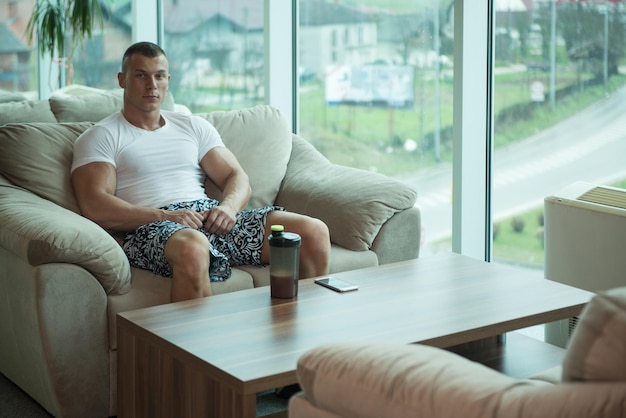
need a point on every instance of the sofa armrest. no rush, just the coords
(400, 237)
(571, 400)
(53, 322)
(354, 203)
(40, 232)
(373, 380)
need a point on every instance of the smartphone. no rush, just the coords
(336, 284)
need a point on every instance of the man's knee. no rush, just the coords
(187, 248)
(316, 239)
(319, 233)
(315, 249)
(187, 252)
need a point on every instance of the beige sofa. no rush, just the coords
(371, 381)
(63, 279)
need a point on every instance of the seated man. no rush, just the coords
(143, 169)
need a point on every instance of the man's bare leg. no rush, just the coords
(187, 252)
(315, 247)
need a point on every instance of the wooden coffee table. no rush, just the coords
(210, 357)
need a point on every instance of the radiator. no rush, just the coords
(585, 243)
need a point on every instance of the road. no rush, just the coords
(591, 147)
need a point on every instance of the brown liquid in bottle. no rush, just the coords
(283, 286)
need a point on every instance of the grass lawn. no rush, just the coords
(525, 246)
(520, 238)
(374, 138)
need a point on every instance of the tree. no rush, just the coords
(582, 28)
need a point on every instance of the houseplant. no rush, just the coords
(53, 22)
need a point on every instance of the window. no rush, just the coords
(98, 60)
(384, 104)
(18, 60)
(93, 63)
(557, 87)
(219, 50)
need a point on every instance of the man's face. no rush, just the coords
(145, 81)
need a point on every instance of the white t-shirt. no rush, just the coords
(154, 168)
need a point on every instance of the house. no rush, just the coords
(406, 39)
(334, 34)
(217, 44)
(97, 60)
(15, 53)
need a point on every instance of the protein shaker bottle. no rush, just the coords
(284, 262)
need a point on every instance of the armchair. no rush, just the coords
(367, 381)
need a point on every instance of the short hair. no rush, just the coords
(147, 49)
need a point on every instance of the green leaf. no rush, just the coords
(51, 17)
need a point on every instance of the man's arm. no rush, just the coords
(222, 167)
(94, 187)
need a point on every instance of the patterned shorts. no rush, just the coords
(145, 246)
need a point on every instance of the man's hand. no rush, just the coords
(186, 217)
(220, 219)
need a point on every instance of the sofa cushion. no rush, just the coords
(42, 232)
(93, 107)
(597, 349)
(38, 156)
(260, 138)
(26, 111)
(353, 203)
(11, 96)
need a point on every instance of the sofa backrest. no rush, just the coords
(11, 96)
(38, 156)
(91, 107)
(261, 140)
(597, 349)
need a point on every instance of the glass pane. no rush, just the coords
(558, 95)
(376, 94)
(18, 59)
(219, 50)
(97, 60)
(91, 65)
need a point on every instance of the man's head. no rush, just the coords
(144, 77)
(147, 49)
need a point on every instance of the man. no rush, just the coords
(142, 170)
